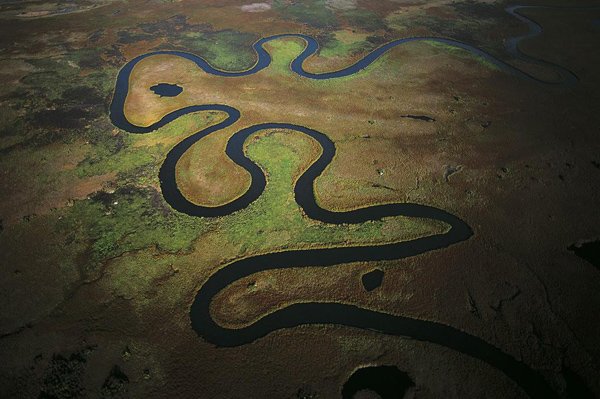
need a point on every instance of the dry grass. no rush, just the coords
(27, 192)
(528, 186)
(380, 154)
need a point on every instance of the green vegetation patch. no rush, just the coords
(117, 151)
(364, 19)
(311, 12)
(283, 52)
(62, 105)
(12, 127)
(345, 44)
(225, 49)
(129, 219)
(56, 75)
(134, 216)
(476, 23)
(228, 50)
(459, 52)
(275, 220)
(381, 65)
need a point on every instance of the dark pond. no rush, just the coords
(372, 280)
(387, 381)
(424, 118)
(166, 90)
(589, 251)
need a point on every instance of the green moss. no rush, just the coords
(62, 104)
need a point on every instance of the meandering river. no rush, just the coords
(315, 312)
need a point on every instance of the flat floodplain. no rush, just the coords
(100, 271)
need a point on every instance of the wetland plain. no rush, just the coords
(319, 199)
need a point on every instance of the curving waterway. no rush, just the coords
(330, 312)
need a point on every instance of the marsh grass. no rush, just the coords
(276, 221)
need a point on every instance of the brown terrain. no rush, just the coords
(97, 272)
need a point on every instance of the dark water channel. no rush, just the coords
(313, 312)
